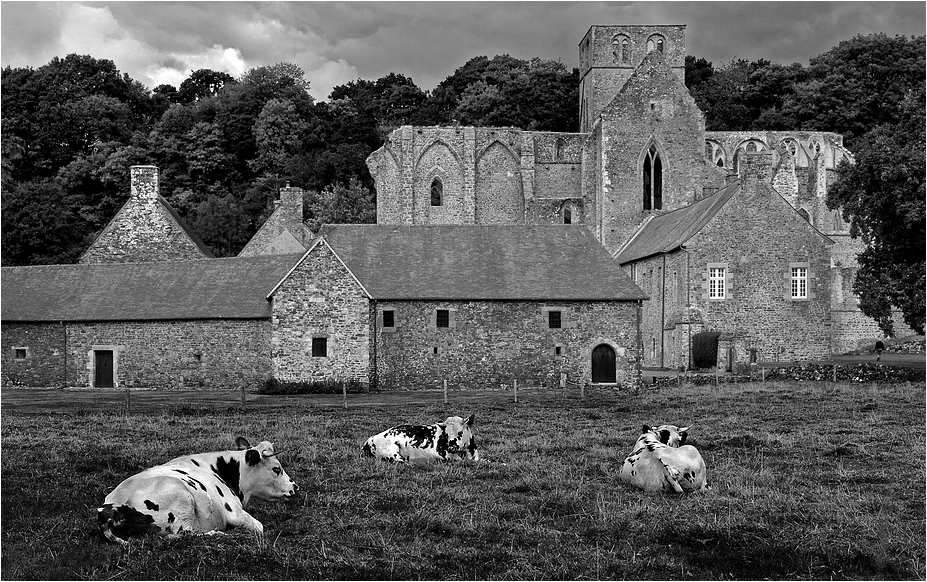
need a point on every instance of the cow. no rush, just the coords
(204, 493)
(441, 441)
(662, 462)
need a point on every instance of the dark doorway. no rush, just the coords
(103, 368)
(603, 364)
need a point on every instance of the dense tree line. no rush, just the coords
(71, 129)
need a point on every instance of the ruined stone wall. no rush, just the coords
(655, 109)
(192, 354)
(490, 344)
(320, 299)
(604, 68)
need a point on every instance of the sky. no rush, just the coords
(337, 42)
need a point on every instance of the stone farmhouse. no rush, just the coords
(387, 306)
(499, 255)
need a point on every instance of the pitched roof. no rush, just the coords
(182, 224)
(556, 262)
(230, 288)
(670, 231)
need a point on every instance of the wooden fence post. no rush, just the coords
(515, 387)
(344, 393)
(763, 374)
(835, 373)
(242, 394)
(716, 376)
(128, 401)
(445, 391)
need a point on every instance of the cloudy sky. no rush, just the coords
(336, 42)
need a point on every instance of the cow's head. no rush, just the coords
(669, 434)
(262, 474)
(460, 439)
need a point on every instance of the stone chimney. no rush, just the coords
(290, 208)
(145, 186)
(756, 167)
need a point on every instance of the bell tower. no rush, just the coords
(608, 56)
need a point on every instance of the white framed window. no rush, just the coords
(717, 276)
(799, 282)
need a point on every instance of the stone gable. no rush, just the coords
(146, 229)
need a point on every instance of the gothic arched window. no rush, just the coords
(437, 192)
(568, 214)
(655, 43)
(804, 214)
(625, 51)
(558, 150)
(653, 180)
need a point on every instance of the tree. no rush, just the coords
(882, 197)
(39, 226)
(857, 85)
(221, 223)
(201, 84)
(340, 204)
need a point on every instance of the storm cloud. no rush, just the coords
(336, 42)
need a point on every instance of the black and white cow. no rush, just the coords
(200, 493)
(441, 441)
(662, 462)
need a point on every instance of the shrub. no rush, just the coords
(275, 386)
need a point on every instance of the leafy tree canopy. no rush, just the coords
(882, 196)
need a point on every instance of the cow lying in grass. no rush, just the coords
(441, 441)
(662, 462)
(200, 493)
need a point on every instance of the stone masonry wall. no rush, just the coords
(209, 354)
(320, 299)
(143, 229)
(286, 218)
(490, 344)
(653, 108)
(757, 235)
(44, 346)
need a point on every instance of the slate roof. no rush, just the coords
(182, 224)
(229, 288)
(556, 262)
(668, 232)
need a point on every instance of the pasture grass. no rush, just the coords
(809, 481)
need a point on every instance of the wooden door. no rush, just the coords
(603, 364)
(103, 369)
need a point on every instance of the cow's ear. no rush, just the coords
(645, 429)
(682, 437)
(470, 419)
(664, 436)
(252, 457)
(242, 443)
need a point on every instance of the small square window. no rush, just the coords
(389, 318)
(320, 347)
(442, 318)
(558, 350)
(553, 319)
(20, 353)
(435, 350)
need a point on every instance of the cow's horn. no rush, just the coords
(269, 454)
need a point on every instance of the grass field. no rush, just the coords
(809, 482)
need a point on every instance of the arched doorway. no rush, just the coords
(603, 364)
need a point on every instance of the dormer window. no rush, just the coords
(437, 192)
